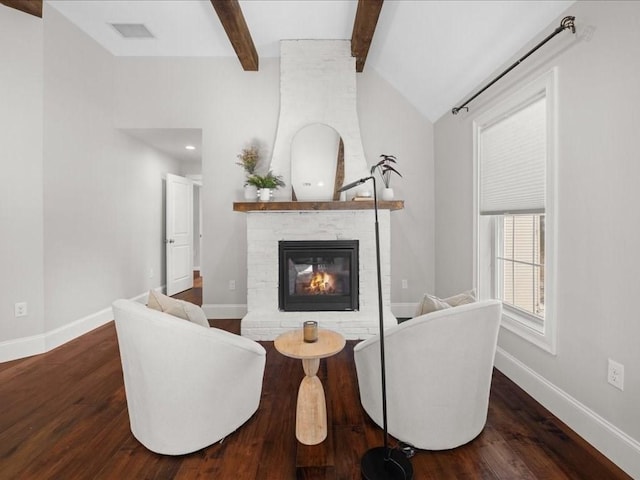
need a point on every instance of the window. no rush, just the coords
(515, 185)
(520, 260)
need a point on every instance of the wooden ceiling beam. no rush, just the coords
(32, 7)
(364, 27)
(232, 19)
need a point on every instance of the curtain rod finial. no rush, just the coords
(568, 22)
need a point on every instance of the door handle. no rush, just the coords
(171, 240)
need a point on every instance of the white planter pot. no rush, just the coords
(250, 193)
(265, 194)
(387, 194)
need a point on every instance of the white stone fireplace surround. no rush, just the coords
(317, 85)
(264, 321)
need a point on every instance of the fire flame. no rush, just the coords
(321, 283)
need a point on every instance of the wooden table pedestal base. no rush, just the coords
(311, 411)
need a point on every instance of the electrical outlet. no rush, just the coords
(232, 284)
(405, 284)
(21, 309)
(151, 273)
(615, 375)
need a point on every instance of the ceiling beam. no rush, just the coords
(364, 27)
(32, 7)
(232, 20)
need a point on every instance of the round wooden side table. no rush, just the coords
(311, 409)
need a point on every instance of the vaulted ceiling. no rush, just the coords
(434, 52)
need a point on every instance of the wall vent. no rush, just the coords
(132, 30)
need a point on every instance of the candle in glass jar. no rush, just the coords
(310, 331)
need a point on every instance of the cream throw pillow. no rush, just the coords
(431, 303)
(462, 298)
(177, 308)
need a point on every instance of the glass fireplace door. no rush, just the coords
(318, 275)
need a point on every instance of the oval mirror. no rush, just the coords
(314, 159)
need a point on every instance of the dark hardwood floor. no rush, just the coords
(63, 415)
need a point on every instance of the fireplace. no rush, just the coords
(264, 319)
(318, 275)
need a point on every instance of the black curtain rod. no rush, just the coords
(566, 23)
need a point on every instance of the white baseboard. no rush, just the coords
(22, 347)
(44, 342)
(70, 331)
(612, 442)
(229, 310)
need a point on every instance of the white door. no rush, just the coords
(179, 241)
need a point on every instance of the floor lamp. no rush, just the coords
(381, 463)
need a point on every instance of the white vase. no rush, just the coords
(387, 194)
(250, 193)
(265, 194)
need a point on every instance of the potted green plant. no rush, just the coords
(385, 169)
(266, 184)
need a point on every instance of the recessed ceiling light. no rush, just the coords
(190, 147)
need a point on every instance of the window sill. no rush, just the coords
(529, 330)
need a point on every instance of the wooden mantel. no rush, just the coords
(302, 206)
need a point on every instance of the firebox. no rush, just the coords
(318, 275)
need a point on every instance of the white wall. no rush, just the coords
(83, 200)
(599, 226)
(21, 247)
(103, 191)
(391, 125)
(234, 107)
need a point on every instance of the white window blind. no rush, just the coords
(512, 154)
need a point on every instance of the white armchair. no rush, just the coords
(187, 386)
(438, 375)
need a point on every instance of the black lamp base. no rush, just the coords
(377, 464)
